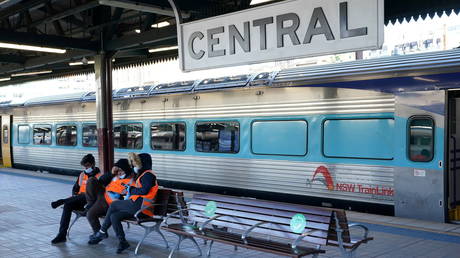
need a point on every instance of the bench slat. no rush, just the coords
(225, 207)
(263, 204)
(315, 240)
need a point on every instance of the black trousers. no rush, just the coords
(76, 202)
(95, 197)
(118, 211)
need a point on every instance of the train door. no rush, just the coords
(419, 181)
(453, 171)
(6, 140)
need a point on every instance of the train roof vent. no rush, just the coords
(91, 96)
(55, 99)
(132, 92)
(173, 87)
(262, 79)
(223, 82)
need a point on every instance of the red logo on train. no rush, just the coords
(322, 175)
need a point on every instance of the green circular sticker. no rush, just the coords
(298, 223)
(210, 209)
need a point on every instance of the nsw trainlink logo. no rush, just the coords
(324, 177)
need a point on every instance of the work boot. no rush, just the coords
(60, 238)
(98, 238)
(123, 245)
(57, 203)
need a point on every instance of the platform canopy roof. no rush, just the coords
(84, 27)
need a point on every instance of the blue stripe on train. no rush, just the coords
(315, 141)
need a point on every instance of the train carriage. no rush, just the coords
(375, 135)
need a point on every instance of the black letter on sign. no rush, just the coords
(244, 42)
(344, 32)
(290, 30)
(262, 23)
(318, 16)
(192, 52)
(214, 41)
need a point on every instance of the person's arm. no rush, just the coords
(76, 187)
(148, 181)
(105, 179)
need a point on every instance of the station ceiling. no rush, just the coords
(83, 27)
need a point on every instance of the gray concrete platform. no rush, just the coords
(27, 225)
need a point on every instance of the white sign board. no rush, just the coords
(280, 31)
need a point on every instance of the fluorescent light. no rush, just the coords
(32, 48)
(5, 79)
(31, 73)
(254, 2)
(137, 30)
(161, 24)
(161, 49)
(81, 63)
(424, 79)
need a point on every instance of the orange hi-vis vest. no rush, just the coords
(83, 179)
(117, 186)
(149, 198)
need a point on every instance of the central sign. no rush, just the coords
(280, 31)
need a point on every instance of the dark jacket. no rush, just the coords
(148, 180)
(76, 186)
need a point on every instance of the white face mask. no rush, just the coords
(88, 170)
(122, 176)
(136, 170)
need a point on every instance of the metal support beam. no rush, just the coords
(25, 38)
(66, 13)
(104, 121)
(141, 7)
(145, 38)
(12, 59)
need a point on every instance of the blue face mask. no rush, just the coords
(122, 176)
(88, 170)
(136, 170)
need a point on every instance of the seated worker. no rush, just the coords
(139, 195)
(99, 199)
(78, 199)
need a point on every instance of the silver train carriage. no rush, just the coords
(374, 135)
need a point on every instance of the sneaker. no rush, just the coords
(123, 245)
(98, 238)
(59, 239)
(57, 203)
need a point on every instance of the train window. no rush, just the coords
(279, 138)
(222, 137)
(23, 134)
(66, 135)
(421, 138)
(42, 135)
(359, 138)
(167, 136)
(89, 136)
(127, 136)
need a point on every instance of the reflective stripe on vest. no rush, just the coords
(116, 186)
(83, 179)
(149, 198)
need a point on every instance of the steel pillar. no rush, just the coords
(104, 120)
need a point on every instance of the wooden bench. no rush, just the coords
(165, 203)
(247, 223)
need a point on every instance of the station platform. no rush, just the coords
(28, 223)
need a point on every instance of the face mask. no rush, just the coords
(122, 176)
(88, 170)
(136, 170)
